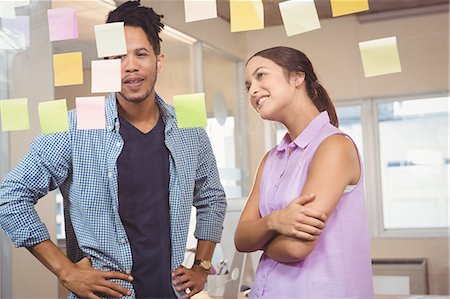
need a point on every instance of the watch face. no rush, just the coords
(205, 264)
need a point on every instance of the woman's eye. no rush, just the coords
(260, 75)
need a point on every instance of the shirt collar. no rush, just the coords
(112, 119)
(306, 136)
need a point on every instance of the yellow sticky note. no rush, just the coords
(299, 16)
(110, 39)
(53, 116)
(345, 7)
(190, 110)
(14, 113)
(246, 15)
(380, 56)
(68, 69)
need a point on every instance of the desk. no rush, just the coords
(204, 295)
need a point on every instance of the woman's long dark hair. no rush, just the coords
(294, 61)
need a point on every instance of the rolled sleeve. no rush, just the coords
(209, 196)
(41, 170)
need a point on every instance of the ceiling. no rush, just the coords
(272, 16)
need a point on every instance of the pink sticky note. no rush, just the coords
(90, 113)
(106, 75)
(62, 23)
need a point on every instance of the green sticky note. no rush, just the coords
(14, 113)
(53, 116)
(190, 110)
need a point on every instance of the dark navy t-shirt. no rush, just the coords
(143, 171)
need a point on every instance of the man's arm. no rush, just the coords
(45, 167)
(194, 278)
(80, 278)
(210, 203)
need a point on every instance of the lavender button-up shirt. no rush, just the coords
(340, 264)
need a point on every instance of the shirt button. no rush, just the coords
(110, 174)
(123, 241)
(128, 271)
(118, 144)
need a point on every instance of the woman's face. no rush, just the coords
(270, 90)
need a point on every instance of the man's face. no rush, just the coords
(140, 67)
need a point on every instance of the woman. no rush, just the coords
(316, 167)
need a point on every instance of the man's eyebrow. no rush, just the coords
(142, 49)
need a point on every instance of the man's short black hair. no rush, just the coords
(133, 14)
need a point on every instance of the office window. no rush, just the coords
(350, 122)
(414, 163)
(404, 144)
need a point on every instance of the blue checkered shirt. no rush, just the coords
(82, 163)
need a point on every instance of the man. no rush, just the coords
(128, 190)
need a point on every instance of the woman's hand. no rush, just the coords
(298, 221)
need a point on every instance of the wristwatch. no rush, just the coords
(204, 264)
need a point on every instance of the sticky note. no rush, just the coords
(246, 15)
(110, 39)
(345, 7)
(68, 69)
(7, 9)
(62, 23)
(299, 16)
(90, 113)
(14, 114)
(53, 116)
(195, 10)
(380, 56)
(17, 31)
(106, 75)
(19, 3)
(190, 110)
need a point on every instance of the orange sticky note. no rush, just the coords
(380, 56)
(68, 69)
(90, 113)
(346, 7)
(246, 15)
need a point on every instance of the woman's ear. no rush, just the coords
(298, 78)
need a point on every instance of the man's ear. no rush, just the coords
(159, 62)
